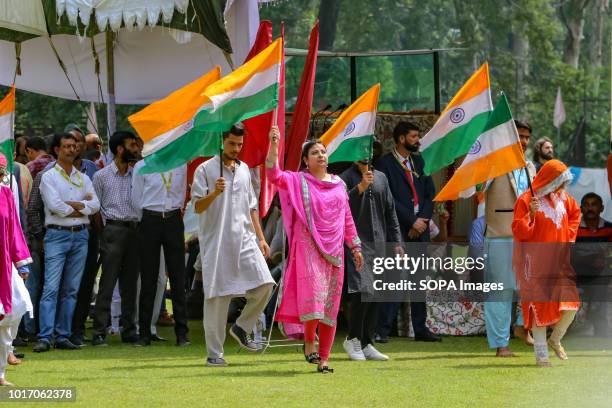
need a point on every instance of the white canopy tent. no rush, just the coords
(150, 61)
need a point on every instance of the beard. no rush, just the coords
(413, 148)
(547, 156)
(128, 156)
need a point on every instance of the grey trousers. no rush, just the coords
(215, 316)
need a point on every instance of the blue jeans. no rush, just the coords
(65, 255)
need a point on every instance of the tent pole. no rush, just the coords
(111, 113)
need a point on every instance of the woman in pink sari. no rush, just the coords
(318, 221)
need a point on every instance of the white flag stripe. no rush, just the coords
(472, 107)
(494, 139)
(362, 125)
(6, 127)
(258, 82)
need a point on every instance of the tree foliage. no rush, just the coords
(530, 45)
(526, 43)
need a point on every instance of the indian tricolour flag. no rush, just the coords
(497, 151)
(167, 126)
(350, 137)
(249, 91)
(460, 123)
(7, 119)
(189, 122)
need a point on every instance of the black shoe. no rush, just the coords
(41, 347)
(130, 339)
(155, 337)
(19, 355)
(65, 345)
(427, 337)
(182, 341)
(142, 342)
(99, 340)
(77, 340)
(20, 342)
(242, 338)
(381, 339)
(216, 362)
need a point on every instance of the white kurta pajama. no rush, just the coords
(232, 263)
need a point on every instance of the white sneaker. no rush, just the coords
(353, 349)
(371, 353)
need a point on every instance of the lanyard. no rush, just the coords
(167, 182)
(68, 179)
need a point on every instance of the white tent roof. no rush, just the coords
(149, 63)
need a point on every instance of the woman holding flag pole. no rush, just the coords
(318, 221)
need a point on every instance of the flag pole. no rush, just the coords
(528, 180)
(221, 157)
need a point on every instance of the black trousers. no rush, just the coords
(81, 310)
(120, 262)
(168, 233)
(388, 314)
(363, 318)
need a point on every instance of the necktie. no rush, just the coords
(415, 196)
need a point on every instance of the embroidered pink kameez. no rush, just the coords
(318, 221)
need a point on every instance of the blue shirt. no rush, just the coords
(520, 178)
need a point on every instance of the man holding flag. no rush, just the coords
(373, 211)
(232, 246)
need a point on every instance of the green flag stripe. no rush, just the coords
(195, 143)
(456, 143)
(500, 115)
(238, 109)
(353, 149)
(205, 137)
(7, 148)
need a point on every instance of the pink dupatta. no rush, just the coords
(301, 199)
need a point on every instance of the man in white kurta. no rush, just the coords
(232, 246)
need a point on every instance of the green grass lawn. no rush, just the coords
(460, 371)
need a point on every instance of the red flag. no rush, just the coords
(255, 146)
(267, 189)
(300, 121)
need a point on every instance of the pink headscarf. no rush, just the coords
(3, 161)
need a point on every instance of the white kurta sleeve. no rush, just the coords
(199, 187)
(252, 196)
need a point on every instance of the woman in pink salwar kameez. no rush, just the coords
(318, 221)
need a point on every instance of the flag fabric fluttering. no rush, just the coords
(254, 149)
(300, 120)
(497, 151)
(250, 90)
(174, 138)
(350, 137)
(559, 114)
(267, 189)
(459, 124)
(7, 120)
(167, 127)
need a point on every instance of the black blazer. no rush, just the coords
(402, 193)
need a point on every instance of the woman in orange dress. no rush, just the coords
(544, 225)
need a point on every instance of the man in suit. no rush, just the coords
(500, 196)
(413, 193)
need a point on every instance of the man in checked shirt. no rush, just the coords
(119, 245)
